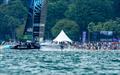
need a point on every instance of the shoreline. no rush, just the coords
(65, 49)
(74, 50)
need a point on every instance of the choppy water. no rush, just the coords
(34, 62)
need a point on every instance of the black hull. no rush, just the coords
(21, 47)
(24, 48)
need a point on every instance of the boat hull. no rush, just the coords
(25, 47)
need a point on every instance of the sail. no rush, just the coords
(35, 24)
(37, 14)
(40, 11)
(29, 23)
(43, 19)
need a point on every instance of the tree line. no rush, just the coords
(73, 16)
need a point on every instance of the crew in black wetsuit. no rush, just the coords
(36, 45)
(29, 45)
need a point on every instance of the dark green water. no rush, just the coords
(34, 62)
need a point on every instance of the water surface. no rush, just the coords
(35, 62)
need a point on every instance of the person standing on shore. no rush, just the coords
(61, 45)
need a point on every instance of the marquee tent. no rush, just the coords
(62, 37)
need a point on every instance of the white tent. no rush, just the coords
(62, 37)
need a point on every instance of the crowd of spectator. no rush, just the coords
(98, 45)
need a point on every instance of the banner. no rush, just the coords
(107, 33)
(84, 37)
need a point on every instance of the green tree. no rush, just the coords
(12, 16)
(70, 27)
(56, 10)
(1, 1)
(86, 11)
(8, 25)
(111, 25)
(116, 6)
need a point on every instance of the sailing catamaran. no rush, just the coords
(35, 25)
